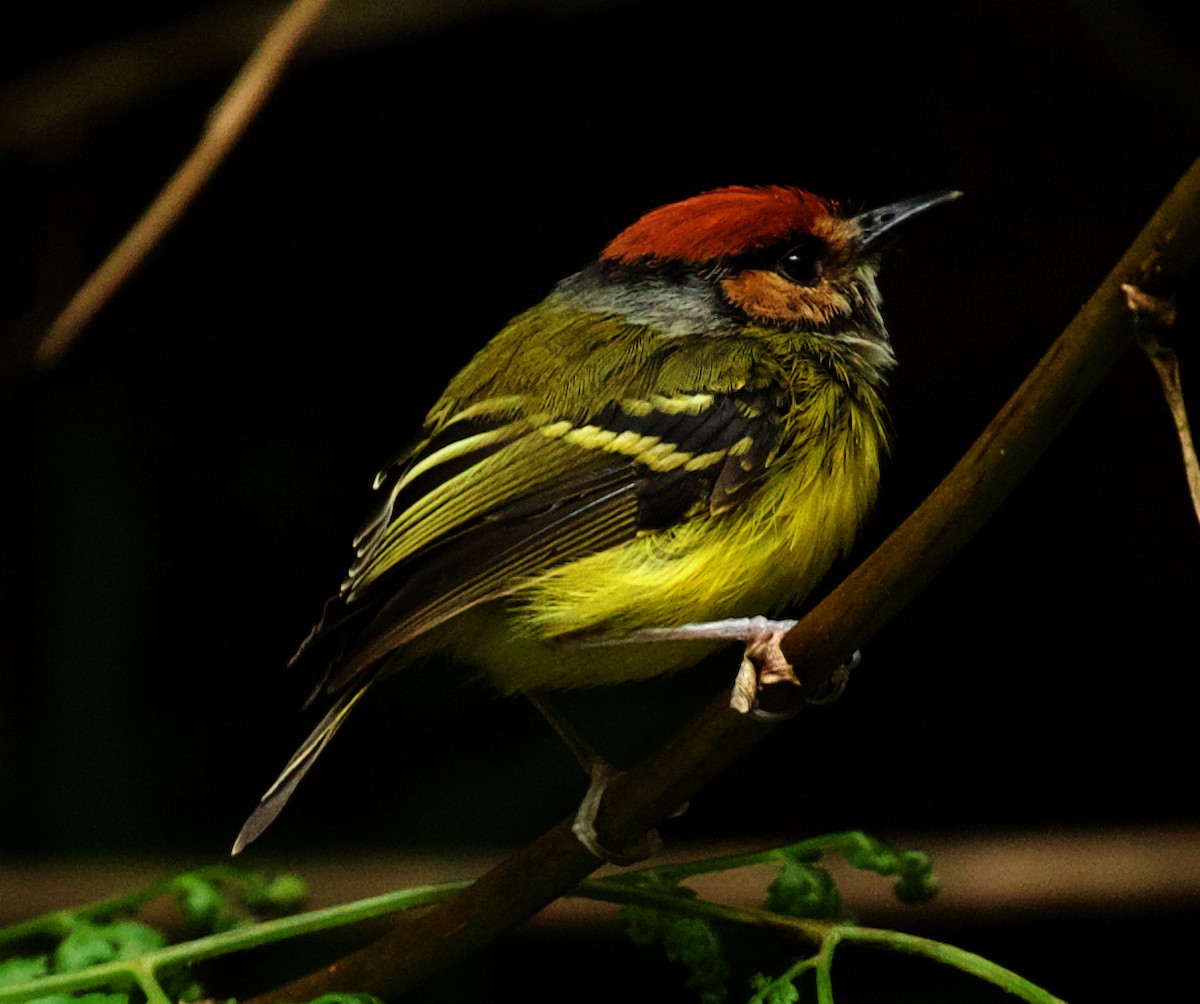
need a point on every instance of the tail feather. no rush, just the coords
(278, 794)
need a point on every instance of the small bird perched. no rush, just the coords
(687, 430)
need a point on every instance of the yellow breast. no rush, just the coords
(762, 556)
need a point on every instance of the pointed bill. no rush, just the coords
(875, 224)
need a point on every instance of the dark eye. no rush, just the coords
(804, 263)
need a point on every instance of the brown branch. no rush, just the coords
(924, 543)
(226, 124)
(848, 617)
(81, 93)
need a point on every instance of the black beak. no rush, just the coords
(874, 224)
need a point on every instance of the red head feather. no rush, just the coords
(725, 221)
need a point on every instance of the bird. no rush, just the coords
(685, 434)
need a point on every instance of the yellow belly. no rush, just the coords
(760, 557)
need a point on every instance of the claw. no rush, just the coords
(745, 687)
(838, 680)
(584, 827)
(600, 773)
(763, 663)
(763, 648)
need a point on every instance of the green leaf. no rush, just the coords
(779, 990)
(346, 999)
(870, 855)
(133, 939)
(84, 947)
(917, 883)
(90, 945)
(643, 925)
(695, 943)
(692, 941)
(804, 890)
(23, 969)
(283, 894)
(205, 906)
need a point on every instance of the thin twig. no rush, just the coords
(638, 800)
(1166, 364)
(225, 125)
(825, 934)
(1021, 431)
(1155, 315)
(79, 93)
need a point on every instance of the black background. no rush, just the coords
(178, 496)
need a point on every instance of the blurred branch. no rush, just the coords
(83, 91)
(60, 101)
(520, 886)
(991, 876)
(225, 126)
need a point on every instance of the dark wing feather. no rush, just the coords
(493, 499)
(585, 495)
(489, 561)
(278, 794)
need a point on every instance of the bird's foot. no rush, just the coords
(749, 683)
(837, 680)
(602, 774)
(763, 662)
(744, 629)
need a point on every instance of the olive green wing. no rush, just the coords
(502, 492)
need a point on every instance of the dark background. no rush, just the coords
(177, 497)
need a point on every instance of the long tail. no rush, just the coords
(278, 794)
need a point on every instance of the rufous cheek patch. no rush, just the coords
(768, 296)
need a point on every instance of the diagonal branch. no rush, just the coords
(520, 886)
(1025, 426)
(83, 91)
(225, 126)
